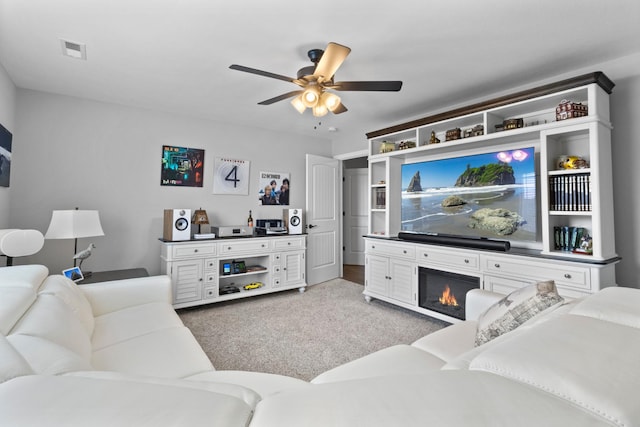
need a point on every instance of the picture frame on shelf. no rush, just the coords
(381, 198)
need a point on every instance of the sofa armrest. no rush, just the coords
(106, 297)
(478, 301)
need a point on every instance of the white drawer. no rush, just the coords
(428, 255)
(396, 250)
(576, 277)
(250, 244)
(288, 243)
(211, 264)
(194, 250)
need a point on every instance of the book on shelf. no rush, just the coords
(567, 238)
(570, 192)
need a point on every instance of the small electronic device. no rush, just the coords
(74, 274)
(226, 268)
(232, 231)
(238, 267)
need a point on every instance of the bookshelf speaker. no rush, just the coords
(177, 225)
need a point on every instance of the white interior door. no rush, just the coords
(324, 177)
(355, 215)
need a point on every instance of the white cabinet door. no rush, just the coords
(377, 274)
(293, 268)
(187, 280)
(402, 280)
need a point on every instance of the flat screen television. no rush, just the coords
(490, 195)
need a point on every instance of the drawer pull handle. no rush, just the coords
(289, 243)
(373, 246)
(195, 250)
(466, 261)
(567, 276)
(262, 245)
(426, 255)
(496, 265)
(404, 252)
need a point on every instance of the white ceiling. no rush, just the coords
(174, 55)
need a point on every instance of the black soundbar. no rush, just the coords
(465, 242)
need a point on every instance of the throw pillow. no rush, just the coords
(515, 309)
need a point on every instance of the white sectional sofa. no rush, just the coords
(116, 353)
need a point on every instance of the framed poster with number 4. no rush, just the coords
(231, 176)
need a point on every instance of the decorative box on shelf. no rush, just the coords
(569, 110)
(387, 147)
(403, 145)
(453, 134)
(513, 124)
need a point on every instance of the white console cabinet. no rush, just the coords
(391, 271)
(196, 267)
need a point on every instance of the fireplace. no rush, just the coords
(445, 292)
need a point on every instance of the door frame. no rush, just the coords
(341, 158)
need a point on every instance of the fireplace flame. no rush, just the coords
(448, 298)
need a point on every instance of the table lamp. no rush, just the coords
(200, 217)
(74, 224)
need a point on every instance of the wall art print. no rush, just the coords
(182, 167)
(274, 188)
(5, 156)
(231, 176)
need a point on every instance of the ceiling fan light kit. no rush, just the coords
(314, 80)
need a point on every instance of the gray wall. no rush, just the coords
(7, 115)
(70, 152)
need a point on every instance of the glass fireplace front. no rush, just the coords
(445, 292)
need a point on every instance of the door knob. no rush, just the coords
(311, 226)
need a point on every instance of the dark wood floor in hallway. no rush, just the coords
(353, 273)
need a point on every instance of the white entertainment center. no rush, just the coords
(197, 268)
(392, 264)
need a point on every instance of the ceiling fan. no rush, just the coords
(315, 80)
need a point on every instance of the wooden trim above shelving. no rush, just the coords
(597, 77)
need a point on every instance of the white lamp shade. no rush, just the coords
(297, 104)
(74, 224)
(311, 96)
(319, 110)
(330, 100)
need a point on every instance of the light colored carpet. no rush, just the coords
(302, 334)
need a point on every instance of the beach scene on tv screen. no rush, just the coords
(490, 195)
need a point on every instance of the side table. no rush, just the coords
(105, 276)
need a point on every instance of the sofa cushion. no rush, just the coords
(615, 304)
(263, 383)
(439, 398)
(12, 364)
(168, 353)
(14, 302)
(66, 290)
(399, 359)
(52, 319)
(131, 322)
(47, 357)
(515, 309)
(39, 400)
(29, 276)
(450, 342)
(588, 362)
(249, 396)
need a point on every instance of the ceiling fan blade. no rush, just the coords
(331, 60)
(340, 109)
(261, 73)
(280, 98)
(384, 86)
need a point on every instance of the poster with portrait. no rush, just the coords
(274, 188)
(231, 176)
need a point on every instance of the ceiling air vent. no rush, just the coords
(74, 50)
